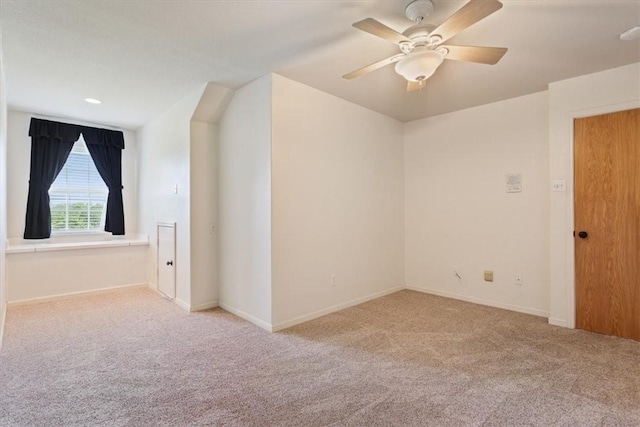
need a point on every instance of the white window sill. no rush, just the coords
(52, 245)
(82, 234)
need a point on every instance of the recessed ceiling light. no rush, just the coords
(93, 101)
(631, 33)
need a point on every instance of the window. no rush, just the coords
(78, 195)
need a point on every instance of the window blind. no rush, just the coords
(78, 194)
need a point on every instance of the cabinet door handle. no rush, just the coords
(169, 262)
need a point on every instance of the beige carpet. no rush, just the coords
(130, 358)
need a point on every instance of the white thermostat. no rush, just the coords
(513, 182)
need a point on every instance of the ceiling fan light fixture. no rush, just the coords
(419, 66)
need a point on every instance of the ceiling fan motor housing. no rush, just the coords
(420, 34)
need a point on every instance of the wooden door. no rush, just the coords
(607, 208)
(166, 260)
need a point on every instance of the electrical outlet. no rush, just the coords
(333, 280)
(212, 229)
(519, 279)
(488, 276)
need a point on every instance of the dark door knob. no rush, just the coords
(169, 262)
(583, 234)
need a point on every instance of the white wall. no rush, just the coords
(599, 93)
(457, 213)
(19, 155)
(204, 190)
(244, 203)
(3, 194)
(337, 203)
(163, 163)
(38, 275)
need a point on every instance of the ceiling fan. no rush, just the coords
(421, 48)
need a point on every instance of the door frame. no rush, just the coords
(570, 265)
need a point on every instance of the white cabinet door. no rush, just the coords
(167, 260)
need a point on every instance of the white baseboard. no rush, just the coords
(198, 307)
(558, 322)
(74, 294)
(3, 318)
(205, 306)
(246, 316)
(496, 304)
(333, 309)
(183, 305)
(305, 318)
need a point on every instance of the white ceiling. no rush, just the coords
(140, 57)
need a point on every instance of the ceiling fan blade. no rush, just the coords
(414, 86)
(376, 28)
(373, 67)
(466, 16)
(480, 54)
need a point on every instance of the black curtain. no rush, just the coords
(105, 147)
(51, 143)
